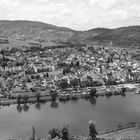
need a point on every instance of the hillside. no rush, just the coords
(124, 36)
(34, 30)
(31, 30)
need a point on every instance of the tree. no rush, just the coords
(123, 90)
(71, 64)
(38, 96)
(89, 77)
(25, 98)
(53, 94)
(110, 59)
(65, 132)
(86, 83)
(63, 84)
(33, 89)
(47, 74)
(77, 63)
(3, 53)
(74, 82)
(97, 83)
(19, 98)
(32, 77)
(92, 132)
(110, 81)
(93, 92)
(90, 82)
(33, 133)
(66, 70)
(92, 49)
(38, 77)
(4, 64)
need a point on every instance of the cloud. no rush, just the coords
(103, 4)
(76, 14)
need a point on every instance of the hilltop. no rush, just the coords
(47, 33)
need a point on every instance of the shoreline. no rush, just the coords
(117, 133)
(131, 132)
(71, 94)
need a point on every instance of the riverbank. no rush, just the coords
(130, 131)
(70, 94)
(124, 134)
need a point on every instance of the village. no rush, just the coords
(66, 72)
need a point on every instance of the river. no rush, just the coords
(108, 112)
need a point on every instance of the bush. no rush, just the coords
(54, 132)
(66, 70)
(87, 83)
(110, 82)
(33, 90)
(97, 83)
(74, 82)
(63, 84)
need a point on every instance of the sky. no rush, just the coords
(75, 14)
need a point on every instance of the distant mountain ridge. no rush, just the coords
(126, 36)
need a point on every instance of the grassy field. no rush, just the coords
(16, 43)
(126, 134)
(132, 133)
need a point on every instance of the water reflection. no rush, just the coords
(19, 108)
(38, 106)
(43, 102)
(86, 98)
(25, 108)
(109, 95)
(92, 101)
(54, 104)
(123, 95)
(75, 101)
(63, 101)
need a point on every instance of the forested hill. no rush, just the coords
(126, 36)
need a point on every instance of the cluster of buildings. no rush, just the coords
(45, 68)
(104, 64)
